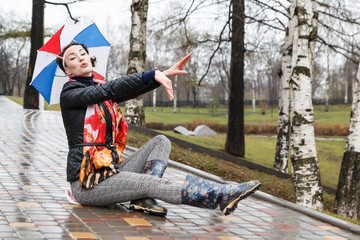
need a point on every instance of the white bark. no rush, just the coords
(346, 92)
(134, 108)
(154, 91)
(154, 100)
(353, 139)
(347, 200)
(282, 146)
(327, 82)
(253, 83)
(175, 93)
(306, 174)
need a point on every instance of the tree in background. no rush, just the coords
(306, 172)
(118, 57)
(134, 108)
(235, 138)
(347, 200)
(223, 73)
(252, 60)
(14, 35)
(31, 96)
(282, 143)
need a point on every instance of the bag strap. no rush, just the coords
(108, 121)
(109, 139)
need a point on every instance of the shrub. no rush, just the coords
(331, 129)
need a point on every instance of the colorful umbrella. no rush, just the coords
(48, 78)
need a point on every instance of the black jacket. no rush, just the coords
(77, 96)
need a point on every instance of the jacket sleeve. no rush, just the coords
(77, 95)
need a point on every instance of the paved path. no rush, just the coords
(33, 205)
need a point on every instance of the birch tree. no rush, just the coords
(251, 60)
(134, 108)
(327, 80)
(306, 173)
(282, 144)
(347, 200)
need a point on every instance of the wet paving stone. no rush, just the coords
(5, 228)
(30, 235)
(205, 236)
(6, 235)
(36, 217)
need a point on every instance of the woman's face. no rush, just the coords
(78, 62)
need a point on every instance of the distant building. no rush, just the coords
(204, 95)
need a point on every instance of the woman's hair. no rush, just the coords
(59, 59)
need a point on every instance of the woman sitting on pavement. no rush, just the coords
(96, 132)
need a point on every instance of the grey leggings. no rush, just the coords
(131, 183)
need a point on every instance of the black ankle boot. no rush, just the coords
(150, 205)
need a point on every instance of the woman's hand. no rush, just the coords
(163, 77)
(178, 67)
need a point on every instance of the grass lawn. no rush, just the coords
(184, 115)
(336, 114)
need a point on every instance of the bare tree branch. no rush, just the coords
(67, 7)
(213, 54)
(336, 49)
(264, 22)
(199, 6)
(348, 20)
(271, 7)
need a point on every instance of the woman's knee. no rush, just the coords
(163, 141)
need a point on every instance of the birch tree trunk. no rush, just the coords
(253, 91)
(327, 89)
(306, 175)
(327, 82)
(348, 192)
(134, 108)
(282, 144)
(154, 91)
(154, 100)
(346, 91)
(175, 93)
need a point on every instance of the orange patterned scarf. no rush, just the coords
(101, 162)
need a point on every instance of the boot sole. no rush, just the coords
(233, 204)
(150, 211)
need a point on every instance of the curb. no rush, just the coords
(267, 197)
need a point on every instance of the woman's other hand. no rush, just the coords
(163, 77)
(178, 67)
